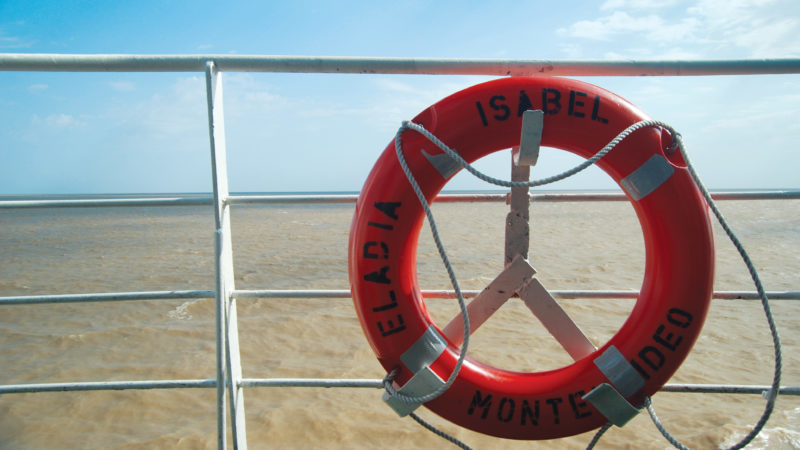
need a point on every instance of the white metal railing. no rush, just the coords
(234, 199)
(417, 66)
(229, 382)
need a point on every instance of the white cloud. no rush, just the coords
(666, 53)
(711, 28)
(767, 28)
(570, 51)
(14, 42)
(182, 111)
(10, 42)
(652, 27)
(37, 87)
(637, 4)
(395, 86)
(57, 122)
(122, 86)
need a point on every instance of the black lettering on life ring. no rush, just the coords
(551, 97)
(596, 111)
(493, 103)
(524, 103)
(382, 226)
(482, 114)
(578, 407)
(370, 255)
(679, 317)
(388, 208)
(479, 401)
(652, 357)
(378, 276)
(390, 305)
(391, 328)
(554, 403)
(532, 414)
(670, 341)
(510, 414)
(573, 103)
(639, 369)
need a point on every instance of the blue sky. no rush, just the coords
(123, 133)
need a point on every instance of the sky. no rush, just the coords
(73, 133)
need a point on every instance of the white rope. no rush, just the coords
(498, 182)
(677, 143)
(439, 432)
(598, 435)
(772, 395)
(387, 382)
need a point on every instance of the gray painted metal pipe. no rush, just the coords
(369, 65)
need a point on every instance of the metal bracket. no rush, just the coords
(421, 383)
(619, 371)
(425, 351)
(610, 400)
(530, 139)
(418, 359)
(611, 404)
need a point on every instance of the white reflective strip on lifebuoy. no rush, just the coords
(443, 163)
(423, 382)
(418, 359)
(611, 404)
(425, 351)
(619, 372)
(648, 177)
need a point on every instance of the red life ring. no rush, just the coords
(580, 118)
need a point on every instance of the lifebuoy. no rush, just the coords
(679, 264)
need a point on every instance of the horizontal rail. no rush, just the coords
(378, 384)
(329, 383)
(105, 297)
(352, 198)
(311, 382)
(106, 386)
(373, 65)
(727, 389)
(280, 199)
(106, 202)
(788, 194)
(345, 294)
(564, 294)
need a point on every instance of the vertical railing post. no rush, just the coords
(229, 371)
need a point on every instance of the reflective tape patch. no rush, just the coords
(619, 372)
(443, 163)
(423, 382)
(611, 404)
(425, 351)
(648, 177)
